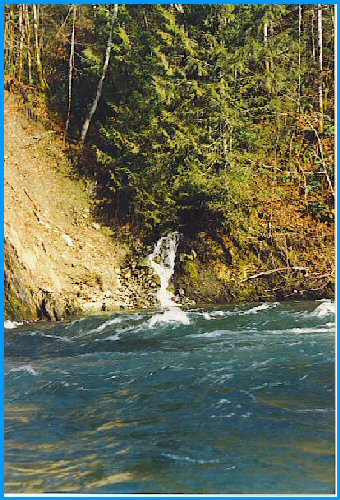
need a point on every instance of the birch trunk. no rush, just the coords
(299, 90)
(101, 81)
(266, 59)
(71, 68)
(28, 37)
(37, 46)
(9, 39)
(313, 41)
(320, 67)
(21, 43)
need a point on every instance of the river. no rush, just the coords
(235, 399)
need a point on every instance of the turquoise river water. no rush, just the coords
(235, 399)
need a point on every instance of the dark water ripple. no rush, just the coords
(241, 400)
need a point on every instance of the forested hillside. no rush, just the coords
(213, 120)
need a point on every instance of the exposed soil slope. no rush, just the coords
(58, 259)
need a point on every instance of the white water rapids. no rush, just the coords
(162, 260)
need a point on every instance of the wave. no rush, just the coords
(326, 308)
(105, 325)
(101, 327)
(261, 307)
(74, 322)
(315, 329)
(116, 336)
(25, 368)
(258, 364)
(46, 335)
(317, 410)
(181, 458)
(212, 335)
(327, 328)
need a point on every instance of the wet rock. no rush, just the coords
(100, 282)
(144, 262)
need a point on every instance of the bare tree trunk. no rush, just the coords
(266, 58)
(101, 81)
(320, 67)
(9, 38)
(313, 41)
(28, 37)
(21, 43)
(299, 91)
(71, 68)
(37, 46)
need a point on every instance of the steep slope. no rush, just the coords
(58, 259)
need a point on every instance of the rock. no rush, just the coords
(29, 259)
(58, 312)
(144, 262)
(68, 240)
(94, 306)
(184, 256)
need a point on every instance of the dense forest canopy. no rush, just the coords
(198, 116)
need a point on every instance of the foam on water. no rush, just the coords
(181, 458)
(105, 325)
(101, 328)
(261, 307)
(170, 315)
(25, 368)
(116, 336)
(10, 325)
(326, 308)
(213, 335)
(46, 335)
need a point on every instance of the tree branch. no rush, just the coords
(272, 271)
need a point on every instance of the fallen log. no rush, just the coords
(280, 269)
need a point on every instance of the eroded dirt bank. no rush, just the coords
(58, 260)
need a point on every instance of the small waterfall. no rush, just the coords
(165, 253)
(162, 261)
